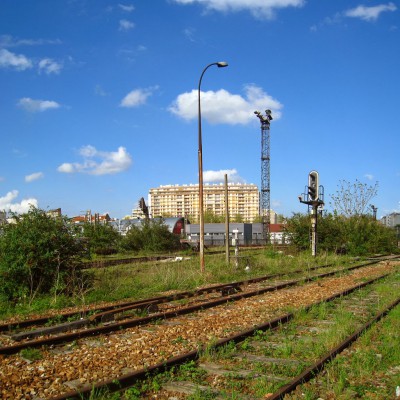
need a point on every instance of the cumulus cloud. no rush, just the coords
(222, 107)
(34, 177)
(49, 66)
(219, 176)
(369, 13)
(7, 204)
(137, 97)
(98, 162)
(32, 105)
(126, 8)
(259, 8)
(125, 25)
(12, 60)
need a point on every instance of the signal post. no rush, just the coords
(313, 197)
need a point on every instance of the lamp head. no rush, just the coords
(222, 64)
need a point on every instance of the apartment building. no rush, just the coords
(183, 200)
(391, 220)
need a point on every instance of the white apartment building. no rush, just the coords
(391, 220)
(183, 200)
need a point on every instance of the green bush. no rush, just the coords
(358, 234)
(150, 236)
(102, 239)
(38, 255)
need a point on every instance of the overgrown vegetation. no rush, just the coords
(101, 239)
(151, 236)
(349, 228)
(42, 256)
(39, 255)
(356, 235)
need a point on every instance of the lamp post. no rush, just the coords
(220, 64)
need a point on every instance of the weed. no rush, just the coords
(179, 340)
(199, 394)
(190, 371)
(31, 354)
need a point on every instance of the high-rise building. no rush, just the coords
(183, 200)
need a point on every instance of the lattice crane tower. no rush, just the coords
(265, 172)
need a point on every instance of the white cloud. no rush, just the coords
(34, 177)
(9, 41)
(12, 60)
(369, 13)
(99, 162)
(137, 97)
(125, 25)
(369, 176)
(126, 8)
(222, 107)
(31, 105)
(6, 203)
(219, 176)
(259, 8)
(49, 66)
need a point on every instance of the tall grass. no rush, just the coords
(137, 281)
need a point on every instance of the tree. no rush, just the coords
(39, 255)
(352, 198)
(297, 230)
(237, 218)
(357, 235)
(150, 236)
(102, 238)
(211, 218)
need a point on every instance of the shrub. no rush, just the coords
(358, 234)
(150, 236)
(102, 239)
(39, 254)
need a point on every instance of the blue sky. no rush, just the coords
(98, 98)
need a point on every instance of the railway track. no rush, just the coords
(98, 312)
(139, 348)
(113, 318)
(267, 356)
(137, 260)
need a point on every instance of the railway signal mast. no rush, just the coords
(314, 197)
(265, 172)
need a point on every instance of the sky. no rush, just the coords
(98, 99)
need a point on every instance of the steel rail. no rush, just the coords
(117, 308)
(127, 380)
(319, 365)
(142, 304)
(116, 326)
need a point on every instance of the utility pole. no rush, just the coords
(226, 220)
(265, 172)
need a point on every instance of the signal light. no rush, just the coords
(313, 186)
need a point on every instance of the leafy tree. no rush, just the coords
(353, 198)
(297, 230)
(212, 218)
(39, 254)
(102, 238)
(238, 218)
(150, 236)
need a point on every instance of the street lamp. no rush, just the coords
(220, 64)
